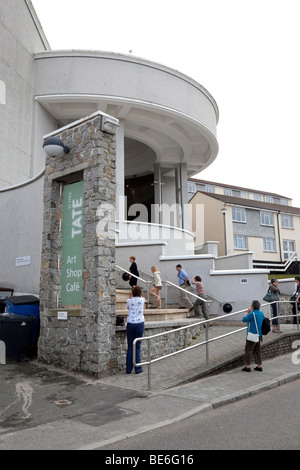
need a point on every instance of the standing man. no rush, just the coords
(184, 284)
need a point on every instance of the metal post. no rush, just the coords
(166, 295)
(206, 338)
(278, 316)
(149, 365)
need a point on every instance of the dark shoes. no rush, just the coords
(247, 369)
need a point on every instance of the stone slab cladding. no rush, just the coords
(81, 337)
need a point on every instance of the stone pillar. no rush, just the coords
(79, 335)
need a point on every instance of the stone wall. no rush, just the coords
(161, 345)
(84, 340)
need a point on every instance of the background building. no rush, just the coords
(246, 220)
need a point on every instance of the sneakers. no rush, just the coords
(260, 369)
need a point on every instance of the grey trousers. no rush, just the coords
(203, 305)
(184, 298)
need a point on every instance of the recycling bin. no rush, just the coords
(26, 305)
(15, 331)
(2, 305)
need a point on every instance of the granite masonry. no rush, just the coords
(80, 336)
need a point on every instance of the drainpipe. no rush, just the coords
(225, 234)
(279, 237)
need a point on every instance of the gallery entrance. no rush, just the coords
(139, 191)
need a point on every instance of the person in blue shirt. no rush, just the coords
(253, 327)
(184, 283)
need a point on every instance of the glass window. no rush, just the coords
(269, 244)
(257, 197)
(239, 214)
(266, 218)
(240, 242)
(227, 192)
(288, 249)
(209, 188)
(286, 221)
(191, 187)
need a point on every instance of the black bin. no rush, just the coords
(15, 331)
(2, 305)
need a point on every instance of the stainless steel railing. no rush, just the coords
(139, 278)
(119, 268)
(207, 340)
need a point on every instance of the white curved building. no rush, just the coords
(167, 133)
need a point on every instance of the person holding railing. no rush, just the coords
(134, 270)
(135, 327)
(184, 283)
(197, 281)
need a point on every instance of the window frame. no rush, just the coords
(243, 216)
(269, 240)
(288, 217)
(266, 214)
(243, 238)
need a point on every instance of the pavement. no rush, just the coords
(46, 408)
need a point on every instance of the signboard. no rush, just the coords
(71, 273)
(23, 261)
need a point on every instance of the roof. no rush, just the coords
(236, 187)
(239, 201)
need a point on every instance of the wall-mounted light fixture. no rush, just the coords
(109, 124)
(54, 147)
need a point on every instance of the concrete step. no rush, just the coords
(159, 314)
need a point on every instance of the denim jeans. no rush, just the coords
(133, 331)
(275, 314)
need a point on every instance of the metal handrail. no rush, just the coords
(139, 278)
(187, 292)
(207, 340)
(164, 282)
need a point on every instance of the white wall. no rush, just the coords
(21, 212)
(19, 39)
